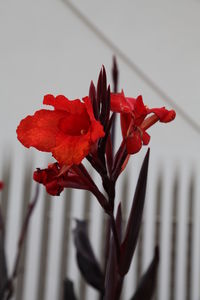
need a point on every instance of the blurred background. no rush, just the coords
(58, 47)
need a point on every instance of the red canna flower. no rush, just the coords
(55, 178)
(48, 177)
(1, 185)
(134, 120)
(69, 131)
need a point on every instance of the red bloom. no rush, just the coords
(55, 178)
(1, 185)
(134, 123)
(48, 177)
(69, 131)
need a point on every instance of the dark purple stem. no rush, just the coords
(1, 222)
(115, 236)
(92, 187)
(21, 242)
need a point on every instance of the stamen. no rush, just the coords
(149, 122)
(83, 131)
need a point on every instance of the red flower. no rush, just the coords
(69, 131)
(48, 177)
(1, 185)
(134, 123)
(55, 178)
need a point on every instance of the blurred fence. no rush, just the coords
(170, 220)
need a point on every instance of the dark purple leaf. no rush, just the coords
(134, 221)
(92, 95)
(107, 109)
(104, 96)
(104, 83)
(115, 75)
(109, 154)
(147, 283)
(86, 259)
(112, 132)
(96, 163)
(99, 90)
(119, 222)
(68, 290)
(120, 158)
(103, 141)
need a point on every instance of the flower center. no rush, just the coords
(75, 125)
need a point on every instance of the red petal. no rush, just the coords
(71, 149)
(119, 103)
(40, 130)
(140, 109)
(145, 138)
(68, 132)
(96, 129)
(125, 122)
(40, 176)
(163, 114)
(53, 188)
(89, 108)
(62, 103)
(48, 177)
(134, 142)
(74, 125)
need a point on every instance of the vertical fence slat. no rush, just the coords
(159, 189)
(64, 257)
(64, 253)
(4, 204)
(124, 201)
(86, 216)
(43, 256)
(174, 238)
(189, 238)
(6, 173)
(104, 236)
(25, 201)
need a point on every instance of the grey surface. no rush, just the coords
(46, 48)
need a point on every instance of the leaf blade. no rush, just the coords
(68, 291)
(87, 262)
(133, 227)
(147, 283)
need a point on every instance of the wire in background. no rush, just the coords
(118, 52)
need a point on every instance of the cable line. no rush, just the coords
(127, 61)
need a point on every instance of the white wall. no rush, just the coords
(45, 47)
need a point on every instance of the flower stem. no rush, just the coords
(20, 244)
(115, 236)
